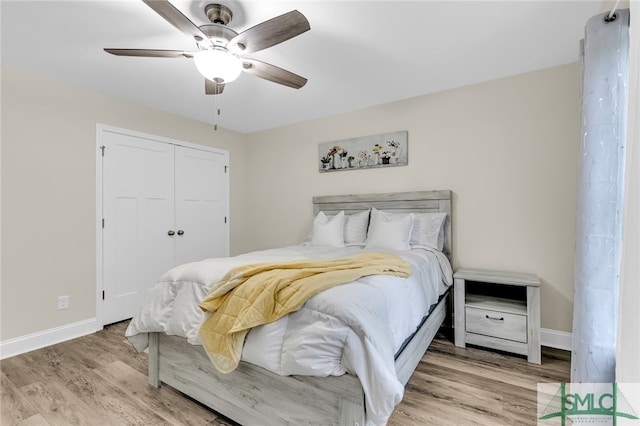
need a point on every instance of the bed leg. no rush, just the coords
(154, 359)
(351, 414)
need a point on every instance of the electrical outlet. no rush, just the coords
(63, 302)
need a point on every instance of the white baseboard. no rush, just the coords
(556, 339)
(41, 339)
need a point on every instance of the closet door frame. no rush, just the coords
(100, 130)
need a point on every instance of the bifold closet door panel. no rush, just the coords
(201, 203)
(138, 210)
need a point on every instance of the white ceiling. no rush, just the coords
(357, 54)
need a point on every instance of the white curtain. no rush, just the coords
(604, 58)
(628, 342)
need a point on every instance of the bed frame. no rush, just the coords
(251, 395)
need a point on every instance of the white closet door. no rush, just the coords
(201, 197)
(138, 200)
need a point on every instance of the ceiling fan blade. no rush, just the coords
(269, 33)
(176, 18)
(273, 73)
(212, 88)
(150, 53)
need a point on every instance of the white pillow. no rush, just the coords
(389, 231)
(428, 230)
(328, 232)
(355, 228)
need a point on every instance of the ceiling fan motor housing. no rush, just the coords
(218, 13)
(217, 31)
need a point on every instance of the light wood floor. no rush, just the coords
(100, 380)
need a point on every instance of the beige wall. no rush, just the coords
(48, 193)
(508, 149)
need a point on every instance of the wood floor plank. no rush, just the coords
(106, 347)
(19, 370)
(484, 401)
(35, 420)
(15, 406)
(82, 380)
(174, 407)
(100, 379)
(488, 372)
(58, 405)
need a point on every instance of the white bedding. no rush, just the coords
(356, 327)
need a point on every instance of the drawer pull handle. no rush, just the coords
(494, 318)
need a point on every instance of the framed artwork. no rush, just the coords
(383, 150)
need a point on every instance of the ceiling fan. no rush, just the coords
(220, 58)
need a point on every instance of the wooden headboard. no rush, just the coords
(399, 202)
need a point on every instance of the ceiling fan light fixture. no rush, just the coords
(218, 65)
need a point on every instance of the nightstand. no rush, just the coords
(498, 310)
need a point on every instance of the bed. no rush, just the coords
(253, 395)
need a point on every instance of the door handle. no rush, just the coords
(171, 233)
(180, 232)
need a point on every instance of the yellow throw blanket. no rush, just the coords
(256, 294)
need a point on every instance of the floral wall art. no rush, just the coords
(383, 150)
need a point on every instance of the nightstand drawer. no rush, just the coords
(498, 324)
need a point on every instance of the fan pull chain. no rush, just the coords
(217, 114)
